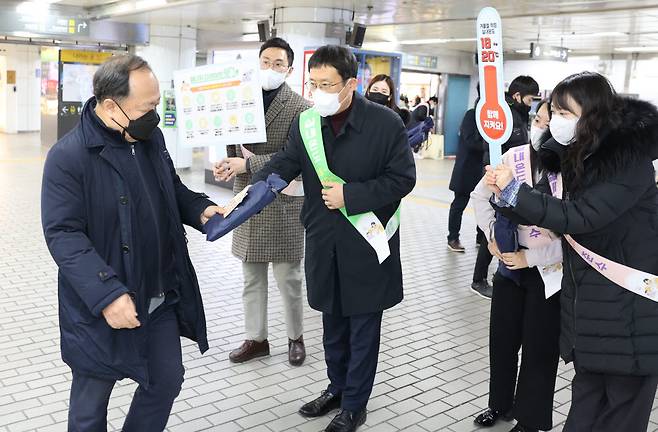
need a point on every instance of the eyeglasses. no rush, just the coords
(310, 86)
(277, 65)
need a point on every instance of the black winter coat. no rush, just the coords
(372, 154)
(469, 163)
(614, 212)
(88, 217)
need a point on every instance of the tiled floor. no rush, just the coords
(433, 367)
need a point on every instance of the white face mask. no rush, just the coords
(326, 104)
(535, 136)
(563, 129)
(271, 79)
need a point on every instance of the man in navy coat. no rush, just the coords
(113, 210)
(365, 145)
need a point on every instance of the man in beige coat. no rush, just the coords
(275, 235)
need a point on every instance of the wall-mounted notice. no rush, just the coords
(493, 115)
(221, 104)
(168, 108)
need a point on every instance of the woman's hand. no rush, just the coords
(490, 180)
(493, 250)
(515, 260)
(504, 176)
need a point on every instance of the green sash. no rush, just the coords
(367, 224)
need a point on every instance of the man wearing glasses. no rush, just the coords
(275, 235)
(356, 165)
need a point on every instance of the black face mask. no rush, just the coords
(521, 107)
(378, 98)
(142, 128)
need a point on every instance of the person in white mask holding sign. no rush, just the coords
(356, 165)
(525, 306)
(607, 210)
(275, 235)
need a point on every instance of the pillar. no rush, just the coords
(171, 48)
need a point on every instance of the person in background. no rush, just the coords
(381, 90)
(609, 207)
(113, 209)
(275, 235)
(466, 173)
(366, 145)
(404, 102)
(418, 114)
(522, 90)
(433, 103)
(522, 317)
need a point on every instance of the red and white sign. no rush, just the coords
(493, 115)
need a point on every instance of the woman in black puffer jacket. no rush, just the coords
(610, 207)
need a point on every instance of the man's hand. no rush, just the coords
(211, 211)
(493, 250)
(515, 260)
(121, 313)
(228, 168)
(504, 176)
(332, 195)
(490, 180)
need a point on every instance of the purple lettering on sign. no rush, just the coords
(602, 266)
(518, 156)
(534, 233)
(587, 257)
(520, 172)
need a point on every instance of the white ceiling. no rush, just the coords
(576, 24)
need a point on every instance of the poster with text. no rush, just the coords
(221, 103)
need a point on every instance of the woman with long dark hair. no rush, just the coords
(608, 214)
(381, 90)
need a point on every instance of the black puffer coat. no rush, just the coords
(614, 212)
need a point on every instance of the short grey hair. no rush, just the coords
(111, 80)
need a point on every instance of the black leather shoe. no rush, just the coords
(347, 421)
(520, 428)
(321, 406)
(488, 418)
(296, 351)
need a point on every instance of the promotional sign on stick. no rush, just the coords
(221, 104)
(492, 113)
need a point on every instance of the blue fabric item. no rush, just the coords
(418, 134)
(509, 195)
(505, 233)
(259, 196)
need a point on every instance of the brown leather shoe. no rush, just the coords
(296, 351)
(249, 350)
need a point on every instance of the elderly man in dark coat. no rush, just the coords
(113, 211)
(358, 169)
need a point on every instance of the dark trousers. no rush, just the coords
(483, 260)
(455, 215)
(521, 316)
(610, 403)
(150, 408)
(351, 351)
